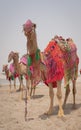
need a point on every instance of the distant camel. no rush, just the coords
(10, 75)
(20, 69)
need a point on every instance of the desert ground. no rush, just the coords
(12, 109)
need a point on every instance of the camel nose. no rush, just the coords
(8, 60)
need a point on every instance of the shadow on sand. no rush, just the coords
(67, 110)
(37, 96)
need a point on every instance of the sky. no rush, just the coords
(52, 17)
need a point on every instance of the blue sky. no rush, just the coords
(61, 17)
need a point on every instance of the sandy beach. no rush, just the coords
(12, 110)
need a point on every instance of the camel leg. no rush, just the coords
(31, 88)
(59, 96)
(66, 95)
(20, 80)
(14, 84)
(10, 85)
(74, 92)
(51, 94)
(31, 92)
(34, 90)
(22, 86)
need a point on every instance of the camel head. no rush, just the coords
(13, 56)
(28, 27)
(4, 68)
(69, 41)
(10, 56)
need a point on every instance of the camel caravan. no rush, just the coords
(58, 61)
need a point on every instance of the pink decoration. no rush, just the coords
(28, 26)
(23, 60)
(28, 23)
(11, 68)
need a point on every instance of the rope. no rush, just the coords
(26, 104)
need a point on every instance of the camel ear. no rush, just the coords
(34, 25)
(6, 65)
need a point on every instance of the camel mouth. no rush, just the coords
(9, 60)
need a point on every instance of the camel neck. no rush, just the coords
(16, 65)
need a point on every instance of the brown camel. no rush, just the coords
(34, 56)
(9, 76)
(20, 69)
(71, 62)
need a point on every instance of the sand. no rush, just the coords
(12, 110)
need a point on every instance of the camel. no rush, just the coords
(71, 61)
(47, 75)
(10, 75)
(20, 69)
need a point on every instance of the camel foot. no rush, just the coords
(49, 112)
(61, 113)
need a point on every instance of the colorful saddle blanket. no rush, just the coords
(23, 60)
(54, 62)
(70, 55)
(12, 73)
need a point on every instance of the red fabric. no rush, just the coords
(54, 63)
(16, 75)
(26, 77)
(54, 84)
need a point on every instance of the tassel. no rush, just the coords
(37, 54)
(29, 72)
(29, 61)
(12, 77)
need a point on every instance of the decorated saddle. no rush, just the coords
(71, 61)
(12, 73)
(23, 60)
(54, 62)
